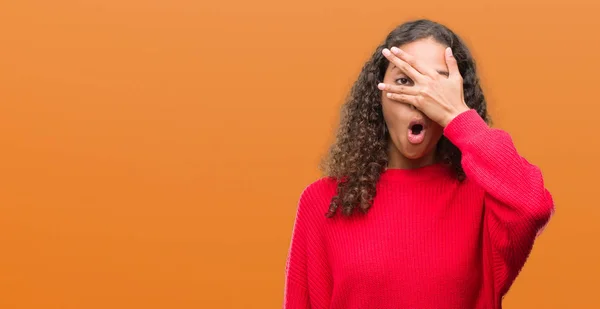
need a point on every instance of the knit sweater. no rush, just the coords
(429, 241)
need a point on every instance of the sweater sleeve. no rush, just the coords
(516, 204)
(296, 285)
(307, 276)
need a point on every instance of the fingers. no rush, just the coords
(408, 95)
(405, 98)
(452, 64)
(412, 90)
(403, 66)
(413, 62)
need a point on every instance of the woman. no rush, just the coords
(424, 205)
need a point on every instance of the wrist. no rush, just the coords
(455, 114)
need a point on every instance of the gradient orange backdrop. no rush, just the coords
(152, 152)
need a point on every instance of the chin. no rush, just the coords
(415, 152)
(414, 155)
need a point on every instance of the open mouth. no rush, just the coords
(416, 132)
(416, 129)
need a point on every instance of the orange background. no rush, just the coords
(152, 152)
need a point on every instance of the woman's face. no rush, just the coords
(413, 135)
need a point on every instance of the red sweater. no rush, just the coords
(429, 241)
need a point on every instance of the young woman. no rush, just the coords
(424, 205)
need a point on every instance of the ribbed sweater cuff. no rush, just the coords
(464, 127)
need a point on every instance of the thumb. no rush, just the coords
(451, 63)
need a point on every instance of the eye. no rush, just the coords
(405, 81)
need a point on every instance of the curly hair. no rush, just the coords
(359, 154)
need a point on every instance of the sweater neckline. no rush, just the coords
(424, 173)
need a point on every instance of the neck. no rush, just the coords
(397, 160)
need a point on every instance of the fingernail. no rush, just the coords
(389, 94)
(386, 52)
(449, 52)
(381, 86)
(395, 50)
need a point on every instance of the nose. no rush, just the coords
(422, 116)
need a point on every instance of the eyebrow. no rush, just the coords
(441, 72)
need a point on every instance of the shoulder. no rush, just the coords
(318, 188)
(316, 197)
